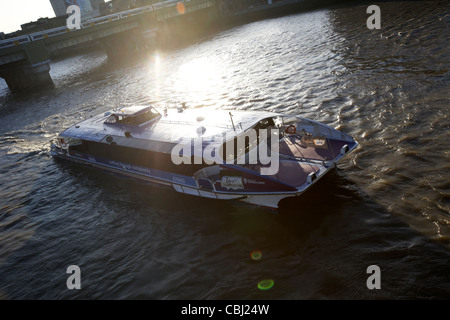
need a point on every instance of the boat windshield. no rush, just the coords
(138, 119)
(245, 142)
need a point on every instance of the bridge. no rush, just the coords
(25, 60)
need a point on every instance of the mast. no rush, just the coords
(232, 122)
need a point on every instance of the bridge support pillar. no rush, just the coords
(33, 72)
(25, 77)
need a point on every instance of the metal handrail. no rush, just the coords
(14, 41)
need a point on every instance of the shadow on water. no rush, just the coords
(121, 189)
(330, 235)
(353, 232)
(139, 241)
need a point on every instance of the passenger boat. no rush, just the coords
(255, 157)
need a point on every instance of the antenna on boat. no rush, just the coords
(232, 122)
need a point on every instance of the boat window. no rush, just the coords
(251, 141)
(289, 119)
(265, 124)
(72, 141)
(138, 157)
(139, 119)
(111, 119)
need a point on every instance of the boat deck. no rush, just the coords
(296, 147)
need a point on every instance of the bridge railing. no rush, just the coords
(165, 4)
(48, 33)
(136, 11)
(100, 20)
(16, 41)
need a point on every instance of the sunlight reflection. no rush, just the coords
(155, 67)
(157, 59)
(197, 78)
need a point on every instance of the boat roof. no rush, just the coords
(171, 127)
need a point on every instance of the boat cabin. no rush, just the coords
(135, 115)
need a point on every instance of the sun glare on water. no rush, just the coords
(197, 78)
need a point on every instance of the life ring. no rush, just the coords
(291, 129)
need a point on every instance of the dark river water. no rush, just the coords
(388, 204)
